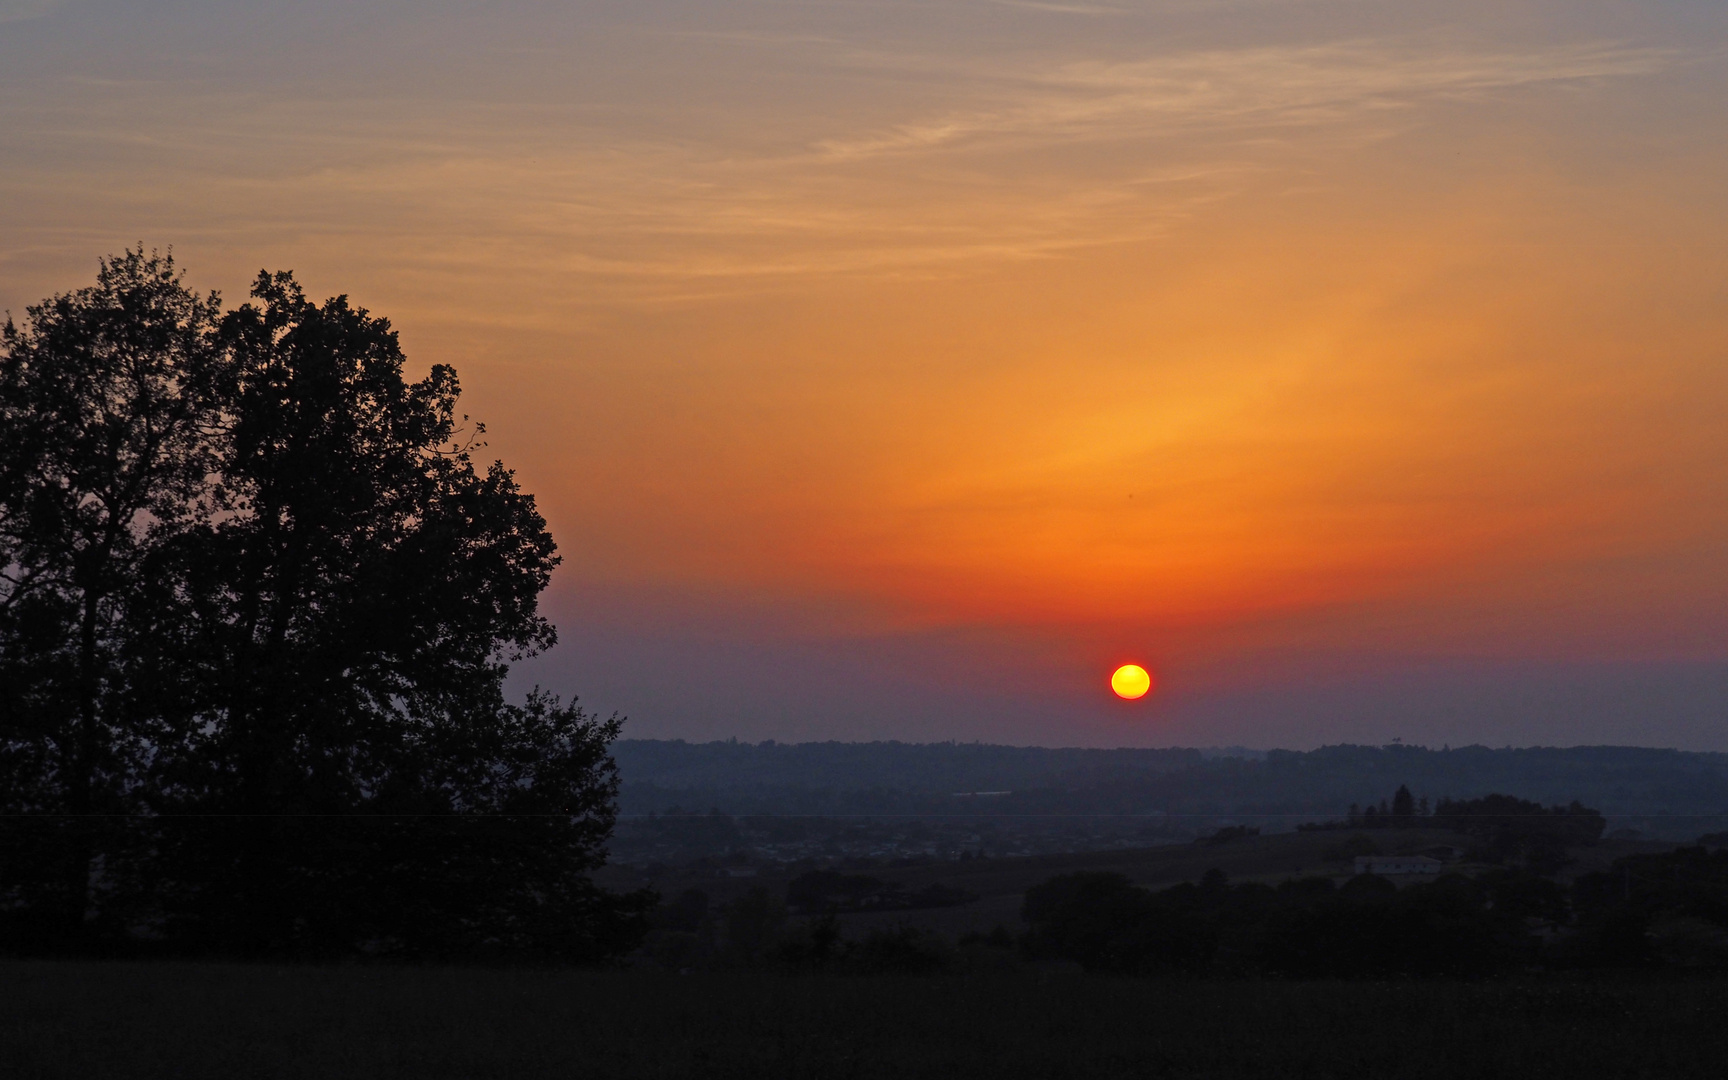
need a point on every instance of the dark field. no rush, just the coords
(196, 1021)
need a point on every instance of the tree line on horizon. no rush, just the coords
(1506, 826)
(1658, 910)
(1652, 911)
(258, 597)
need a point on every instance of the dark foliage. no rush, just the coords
(901, 950)
(258, 606)
(1370, 928)
(1105, 923)
(1649, 910)
(1510, 829)
(1304, 927)
(829, 890)
(685, 913)
(1229, 833)
(755, 932)
(1350, 847)
(1518, 829)
(105, 398)
(819, 945)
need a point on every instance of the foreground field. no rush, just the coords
(94, 1021)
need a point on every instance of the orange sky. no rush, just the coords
(893, 370)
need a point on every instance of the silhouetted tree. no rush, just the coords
(104, 402)
(1403, 806)
(305, 604)
(1518, 828)
(1229, 833)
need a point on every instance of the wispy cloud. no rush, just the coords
(1263, 86)
(977, 180)
(647, 206)
(1061, 9)
(16, 10)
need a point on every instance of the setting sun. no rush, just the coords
(1131, 681)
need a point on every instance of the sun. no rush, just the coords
(1131, 681)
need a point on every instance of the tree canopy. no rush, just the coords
(259, 601)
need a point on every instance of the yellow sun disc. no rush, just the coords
(1131, 681)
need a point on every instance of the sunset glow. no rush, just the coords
(861, 353)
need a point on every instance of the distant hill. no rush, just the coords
(1662, 793)
(841, 766)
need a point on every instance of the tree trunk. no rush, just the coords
(81, 824)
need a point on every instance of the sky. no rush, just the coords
(897, 369)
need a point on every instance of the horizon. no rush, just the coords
(1217, 751)
(897, 371)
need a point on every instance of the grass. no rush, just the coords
(193, 1021)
